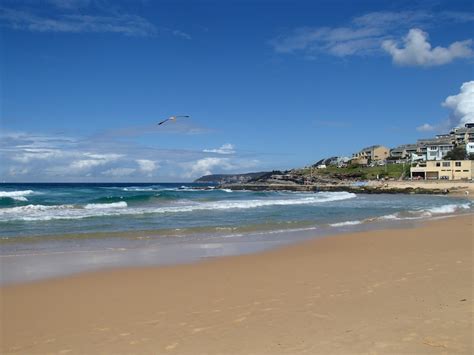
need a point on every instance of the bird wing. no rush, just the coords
(163, 121)
(172, 118)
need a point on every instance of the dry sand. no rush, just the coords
(394, 291)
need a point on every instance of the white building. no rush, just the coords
(470, 148)
(434, 149)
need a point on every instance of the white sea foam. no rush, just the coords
(140, 189)
(426, 213)
(226, 190)
(17, 195)
(99, 206)
(346, 223)
(448, 208)
(45, 213)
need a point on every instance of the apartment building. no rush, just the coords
(443, 170)
(374, 153)
(434, 149)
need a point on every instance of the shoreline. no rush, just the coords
(57, 256)
(438, 187)
(374, 291)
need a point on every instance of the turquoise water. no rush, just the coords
(50, 230)
(35, 210)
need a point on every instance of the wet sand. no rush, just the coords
(391, 291)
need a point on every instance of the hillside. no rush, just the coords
(230, 178)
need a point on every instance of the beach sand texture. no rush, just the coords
(392, 291)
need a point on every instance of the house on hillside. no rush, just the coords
(403, 152)
(463, 135)
(443, 170)
(434, 149)
(470, 148)
(374, 153)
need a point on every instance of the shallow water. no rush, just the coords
(55, 229)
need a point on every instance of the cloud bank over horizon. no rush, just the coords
(41, 157)
(462, 107)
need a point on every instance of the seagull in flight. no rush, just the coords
(172, 118)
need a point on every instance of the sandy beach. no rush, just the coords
(456, 188)
(391, 291)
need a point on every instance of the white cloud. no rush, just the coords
(417, 51)
(426, 128)
(224, 149)
(42, 158)
(86, 164)
(126, 24)
(205, 166)
(69, 4)
(390, 19)
(97, 160)
(15, 170)
(29, 154)
(146, 166)
(215, 165)
(107, 157)
(117, 172)
(339, 41)
(363, 35)
(462, 104)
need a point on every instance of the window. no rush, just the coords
(466, 171)
(438, 164)
(458, 171)
(446, 163)
(458, 163)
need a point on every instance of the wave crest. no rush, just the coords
(100, 206)
(16, 195)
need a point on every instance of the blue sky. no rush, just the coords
(268, 84)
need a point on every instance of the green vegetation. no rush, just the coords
(458, 153)
(389, 171)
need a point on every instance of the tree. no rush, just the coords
(458, 153)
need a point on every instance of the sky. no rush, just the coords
(268, 84)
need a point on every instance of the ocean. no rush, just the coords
(49, 230)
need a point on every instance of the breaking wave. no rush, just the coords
(428, 212)
(347, 223)
(101, 206)
(45, 213)
(16, 195)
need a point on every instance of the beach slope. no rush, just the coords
(391, 291)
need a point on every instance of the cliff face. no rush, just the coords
(229, 178)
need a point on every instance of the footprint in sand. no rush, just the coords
(102, 329)
(171, 346)
(198, 330)
(319, 315)
(239, 320)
